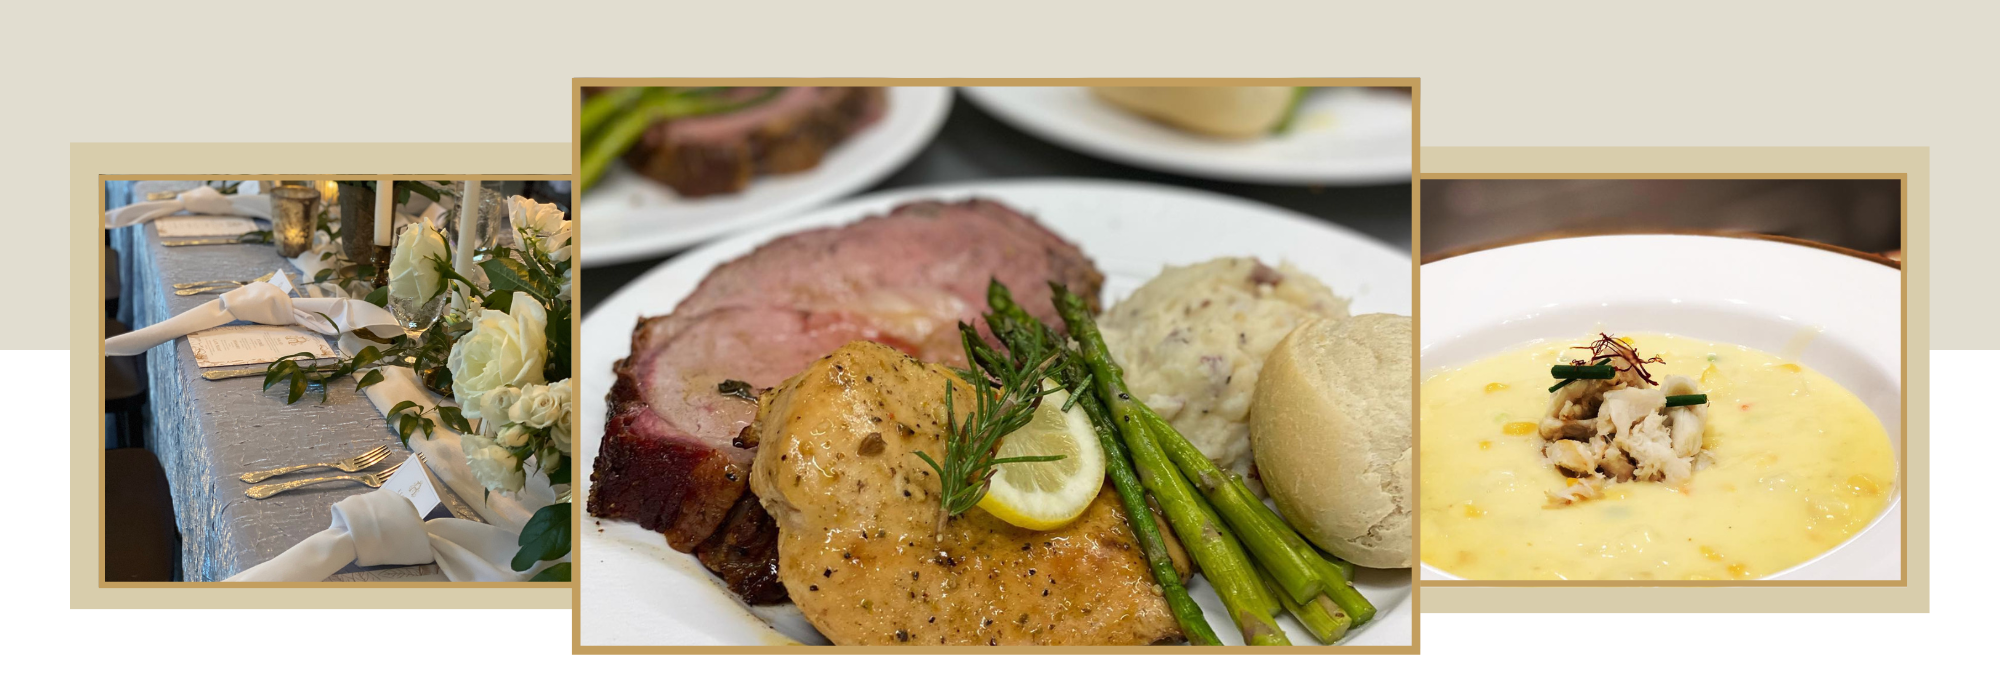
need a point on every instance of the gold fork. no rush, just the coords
(352, 464)
(211, 283)
(192, 289)
(373, 481)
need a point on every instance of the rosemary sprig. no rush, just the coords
(1007, 393)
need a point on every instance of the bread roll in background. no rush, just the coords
(1239, 112)
(1330, 427)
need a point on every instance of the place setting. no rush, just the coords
(386, 398)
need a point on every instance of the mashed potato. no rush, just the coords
(1192, 341)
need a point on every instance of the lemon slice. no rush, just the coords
(1047, 495)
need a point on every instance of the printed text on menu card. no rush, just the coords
(251, 344)
(203, 226)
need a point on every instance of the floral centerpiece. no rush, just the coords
(500, 349)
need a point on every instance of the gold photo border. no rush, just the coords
(91, 165)
(1909, 166)
(1416, 153)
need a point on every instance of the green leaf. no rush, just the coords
(277, 371)
(404, 426)
(379, 297)
(298, 388)
(364, 271)
(402, 406)
(453, 418)
(366, 356)
(323, 275)
(445, 270)
(559, 572)
(373, 377)
(560, 473)
(510, 274)
(418, 187)
(500, 300)
(545, 537)
(557, 331)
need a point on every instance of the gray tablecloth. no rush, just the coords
(207, 433)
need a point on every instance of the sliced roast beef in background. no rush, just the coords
(783, 133)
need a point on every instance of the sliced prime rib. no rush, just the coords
(676, 456)
(787, 132)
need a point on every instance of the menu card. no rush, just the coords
(204, 226)
(414, 483)
(254, 343)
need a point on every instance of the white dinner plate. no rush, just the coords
(633, 218)
(1839, 314)
(639, 591)
(1342, 136)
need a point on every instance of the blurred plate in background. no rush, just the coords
(634, 218)
(1341, 136)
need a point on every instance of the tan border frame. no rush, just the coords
(1621, 596)
(576, 138)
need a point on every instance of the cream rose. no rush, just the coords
(496, 403)
(412, 275)
(492, 464)
(559, 432)
(502, 349)
(537, 408)
(532, 218)
(514, 435)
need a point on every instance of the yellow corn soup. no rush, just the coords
(1800, 466)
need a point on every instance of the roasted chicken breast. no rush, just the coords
(857, 512)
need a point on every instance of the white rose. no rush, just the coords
(514, 435)
(492, 464)
(538, 407)
(532, 218)
(559, 431)
(495, 405)
(500, 350)
(412, 275)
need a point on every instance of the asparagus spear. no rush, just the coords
(657, 104)
(1116, 462)
(1078, 377)
(1222, 559)
(1258, 520)
(1320, 616)
(1343, 593)
(1346, 567)
(1282, 552)
(618, 136)
(602, 107)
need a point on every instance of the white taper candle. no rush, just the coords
(468, 220)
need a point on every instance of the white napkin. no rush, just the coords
(382, 527)
(507, 510)
(200, 200)
(260, 302)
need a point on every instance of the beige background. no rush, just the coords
(1705, 74)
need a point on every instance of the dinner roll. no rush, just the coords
(1227, 111)
(1330, 427)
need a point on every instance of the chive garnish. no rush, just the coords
(1687, 400)
(1602, 371)
(1565, 382)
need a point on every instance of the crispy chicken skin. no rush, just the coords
(856, 511)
